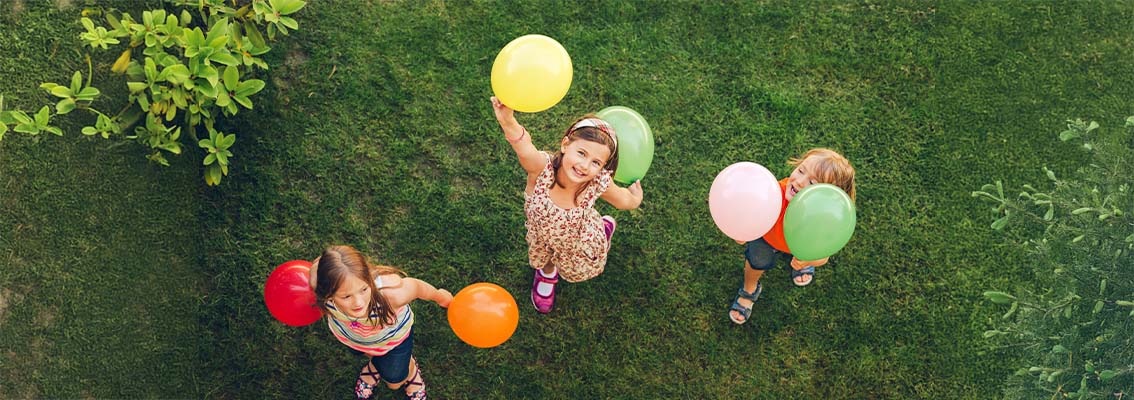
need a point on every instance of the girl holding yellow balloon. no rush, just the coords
(566, 236)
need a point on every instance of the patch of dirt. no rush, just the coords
(64, 5)
(17, 7)
(7, 298)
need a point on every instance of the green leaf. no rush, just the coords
(47, 86)
(1125, 303)
(64, 106)
(1078, 211)
(286, 7)
(87, 23)
(988, 334)
(113, 21)
(54, 130)
(88, 93)
(1107, 375)
(151, 70)
(22, 117)
(212, 175)
(253, 33)
(999, 223)
(227, 141)
(3, 130)
(211, 158)
(136, 87)
(175, 74)
(1130, 121)
(30, 129)
(1068, 135)
(76, 82)
(61, 91)
(999, 297)
(224, 58)
(1098, 307)
(218, 34)
(289, 22)
(1049, 214)
(249, 87)
(1058, 349)
(243, 101)
(43, 116)
(1050, 173)
(231, 78)
(89, 130)
(1011, 310)
(222, 99)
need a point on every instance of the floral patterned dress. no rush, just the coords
(574, 239)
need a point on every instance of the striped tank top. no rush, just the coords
(369, 335)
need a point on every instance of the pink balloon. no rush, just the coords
(745, 201)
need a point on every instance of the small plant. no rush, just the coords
(192, 70)
(1075, 330)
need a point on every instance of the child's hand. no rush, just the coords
(636, 190)
(445, 299)
(503, 113)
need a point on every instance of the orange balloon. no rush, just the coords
(483, 315)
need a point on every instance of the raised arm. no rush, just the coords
(624, 198)
(530, 158)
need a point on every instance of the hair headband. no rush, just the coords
(601, 125)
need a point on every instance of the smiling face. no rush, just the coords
(803, 176)
(353, 297)
(582, 160)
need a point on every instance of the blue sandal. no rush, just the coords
(795, 273)
(744, 311)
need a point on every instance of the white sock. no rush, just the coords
(543, 288)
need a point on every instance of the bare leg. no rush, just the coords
(751, 278)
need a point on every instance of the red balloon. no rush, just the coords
(289, 296)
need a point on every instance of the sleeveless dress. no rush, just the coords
(573, 240)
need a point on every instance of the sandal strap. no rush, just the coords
(802, 271)
(755, 295)
(744, 311)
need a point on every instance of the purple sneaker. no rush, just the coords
(608, 225)
(543, 303)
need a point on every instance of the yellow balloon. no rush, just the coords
(532, 73)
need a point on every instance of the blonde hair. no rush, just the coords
(338, 262)
(832, 168)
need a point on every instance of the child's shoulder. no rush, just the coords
(389, 281)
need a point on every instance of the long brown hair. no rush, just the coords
(832, 168)
(338, 262)
(588, 133)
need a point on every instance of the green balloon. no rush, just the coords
(635, 143)
(818, 222)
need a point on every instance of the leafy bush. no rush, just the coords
(191, 71)
(1075, 328)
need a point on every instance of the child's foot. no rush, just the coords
(367, 379)
(543, 291)
(415, 385)
(608, 225)
(802, 276)
(742, 307)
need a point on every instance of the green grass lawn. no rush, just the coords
(125, 279)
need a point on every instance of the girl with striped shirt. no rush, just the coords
(367, 309)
